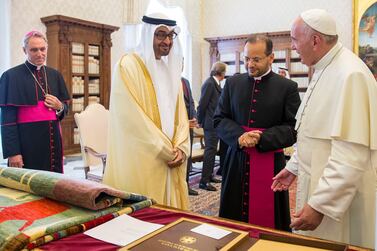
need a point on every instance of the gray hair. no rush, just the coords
(30, 34)
(218, 68)
(329, 39)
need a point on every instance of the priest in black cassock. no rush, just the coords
(33, 100)
(256, 118)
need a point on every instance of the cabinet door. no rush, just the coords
(299, 72)
(78, 76)
(94, 74)
(280, 60)
(81, 51)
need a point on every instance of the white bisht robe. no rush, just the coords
(138, 148)
(336, 157)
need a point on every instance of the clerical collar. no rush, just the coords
(325, 60)
(265, 74)
(38, 67)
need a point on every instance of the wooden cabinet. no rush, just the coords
(229, 50)
(81, 51)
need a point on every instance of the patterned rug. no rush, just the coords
(207, 203)
(39, 206)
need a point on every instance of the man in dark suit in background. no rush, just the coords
(256, 118)
(210, 94)
(191, 112)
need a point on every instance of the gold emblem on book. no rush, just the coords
(187, 239)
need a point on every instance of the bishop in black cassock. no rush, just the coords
(265, 102)
(26, 132)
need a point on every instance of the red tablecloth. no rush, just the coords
(154, 214)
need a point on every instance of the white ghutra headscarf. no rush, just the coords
(166, 72)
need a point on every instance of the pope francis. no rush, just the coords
(336, 157)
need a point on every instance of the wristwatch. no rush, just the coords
(58, 112)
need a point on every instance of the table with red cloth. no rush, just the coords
(163, 215)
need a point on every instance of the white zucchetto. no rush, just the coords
(320, 20)
(165, 72)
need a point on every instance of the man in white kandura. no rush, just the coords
(148, 129)
(336, 155)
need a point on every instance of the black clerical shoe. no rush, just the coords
(192, 192)
(214, 180)
(207, 186)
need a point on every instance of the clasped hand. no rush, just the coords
(249, 139)
(179, 158)
(193, 123)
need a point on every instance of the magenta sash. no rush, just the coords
(261, 197)
(40, 112)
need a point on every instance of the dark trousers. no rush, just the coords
(222, 153)
(189, 160)
(210, 140)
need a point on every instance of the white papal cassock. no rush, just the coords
(337, 148)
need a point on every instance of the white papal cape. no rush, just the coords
(138, 149)
(336, 148)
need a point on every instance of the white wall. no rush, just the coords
(206, 18)
(26, 14)
(236, 17)
(5, 30)
(192, 10)
(4, 45)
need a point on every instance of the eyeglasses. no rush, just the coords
(163, 35)
(254, 59)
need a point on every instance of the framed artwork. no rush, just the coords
(365, 32)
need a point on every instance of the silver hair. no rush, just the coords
(30, 34)
(218, 68)
(329, 39)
